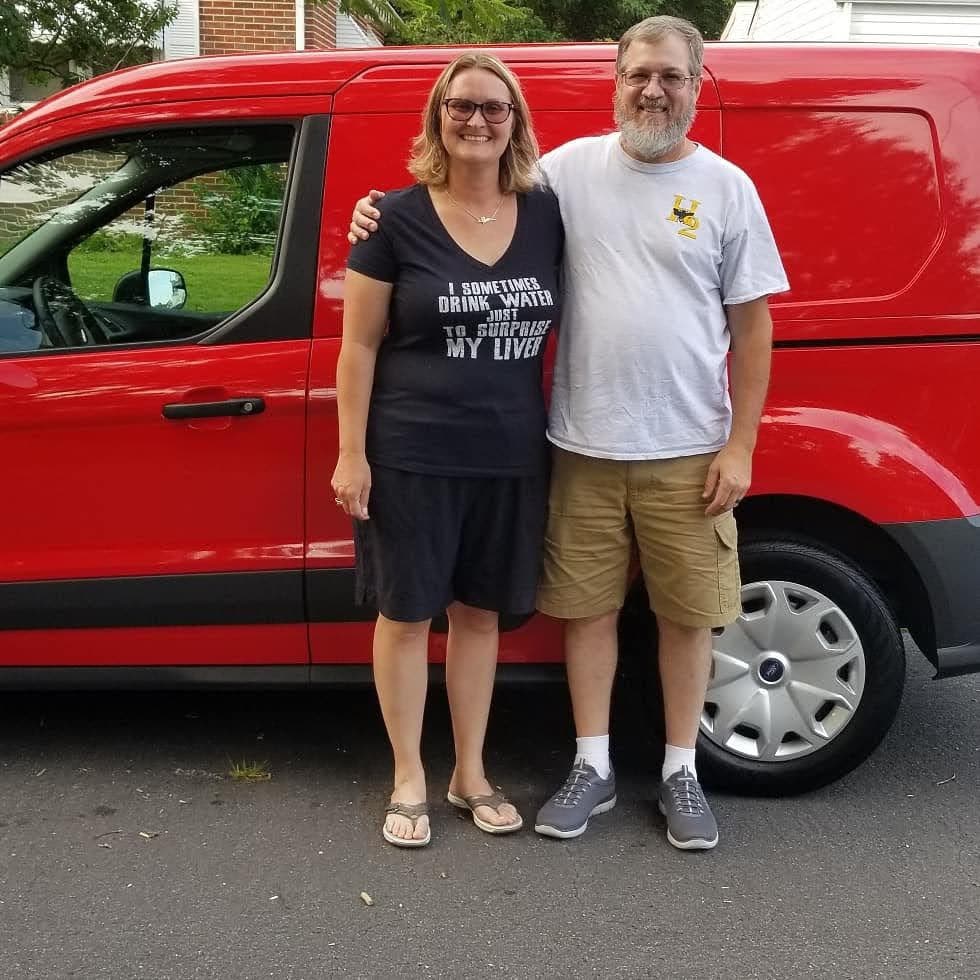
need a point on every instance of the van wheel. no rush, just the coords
(808, 680)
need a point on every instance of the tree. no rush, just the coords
(449, 21)
(710, 16)
(379, 12)
(487, 21)
(596, 20)
(63, 39)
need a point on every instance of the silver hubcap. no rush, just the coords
(787, 676)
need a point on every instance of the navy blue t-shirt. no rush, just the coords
(457, 387)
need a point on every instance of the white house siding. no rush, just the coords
(796, 20)
(350, 34)
(916, 23)
(739, 24)
(182, 39)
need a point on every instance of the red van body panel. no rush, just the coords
(101, 411)
(909, 460)
(59, 129)
(865, 159)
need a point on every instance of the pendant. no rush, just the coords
(485, 219)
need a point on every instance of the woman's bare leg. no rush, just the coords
(401, 677)
(471, 663)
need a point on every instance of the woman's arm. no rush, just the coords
(366, 304)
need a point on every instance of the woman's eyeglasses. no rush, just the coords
(463, 110)
(670, 81)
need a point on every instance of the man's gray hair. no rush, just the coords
(656, 29)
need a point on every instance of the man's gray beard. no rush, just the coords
(649, 144)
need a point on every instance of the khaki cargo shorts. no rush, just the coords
(600, 510)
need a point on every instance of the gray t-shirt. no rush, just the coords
(653, 253)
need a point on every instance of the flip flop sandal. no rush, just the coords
(412, 811)
(493, 800)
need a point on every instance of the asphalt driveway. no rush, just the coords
(127, 850)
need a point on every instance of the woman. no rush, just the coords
(443, 460)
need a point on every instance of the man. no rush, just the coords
(669, 261)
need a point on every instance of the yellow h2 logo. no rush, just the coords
(686, 216)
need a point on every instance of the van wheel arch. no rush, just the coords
(854, 539)
(858, 610)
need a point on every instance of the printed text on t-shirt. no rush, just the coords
(503, 300)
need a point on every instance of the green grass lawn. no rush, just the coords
(215, 283)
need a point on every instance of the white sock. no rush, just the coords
(594, 751)
(675, 758)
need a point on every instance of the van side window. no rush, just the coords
(142, 238)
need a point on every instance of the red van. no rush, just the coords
(172, 256)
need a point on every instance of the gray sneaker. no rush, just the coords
(583, 795)
(690, 822)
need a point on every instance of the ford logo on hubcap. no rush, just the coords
(771, 670)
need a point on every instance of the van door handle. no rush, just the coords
(254, 405)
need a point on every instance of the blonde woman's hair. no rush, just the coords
(429, 162)
(655, 29)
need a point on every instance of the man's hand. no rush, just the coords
(352, 485)
(728, 481)
(364, 220)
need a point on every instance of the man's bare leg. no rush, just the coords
(590, 661)
(591, 652)
(685, 666)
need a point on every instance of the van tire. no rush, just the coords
(824, 573)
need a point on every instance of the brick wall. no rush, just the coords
(177, 208)
(321, 25)
(228, 26)
(32, 192)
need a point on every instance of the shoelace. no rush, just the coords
(688, 797)
(574, 788)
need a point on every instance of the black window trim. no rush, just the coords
(284, 310)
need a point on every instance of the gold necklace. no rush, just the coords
(483, 219)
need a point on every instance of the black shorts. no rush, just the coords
(432, 540)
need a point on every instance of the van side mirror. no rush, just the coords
(166, 287)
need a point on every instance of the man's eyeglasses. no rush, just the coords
(670, 81)
(463, 110)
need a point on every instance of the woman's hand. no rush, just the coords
(351, 484)
(364, 219)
